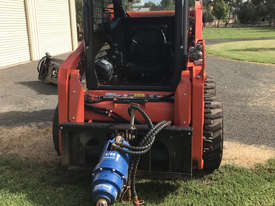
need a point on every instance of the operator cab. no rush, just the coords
(131, 45)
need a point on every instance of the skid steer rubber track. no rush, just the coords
(213, 127)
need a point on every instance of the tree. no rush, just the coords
(252, 12)
(151, 5)
(235, 7)
(220, 10)
(191, 3)
(207, 13)
(246, 13)
(79, 19)
(163, 5)
(270, 11)
(257, 10)
(133, 5)
(78, 7)
(167, 4)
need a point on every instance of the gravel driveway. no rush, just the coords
(247, 90)
(248, 93)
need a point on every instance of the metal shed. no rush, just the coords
(29, 28)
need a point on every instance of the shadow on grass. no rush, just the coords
(39, 184)
(155, 191)
(30, 183)
(252, 50)
(17, 118)
(40, 87)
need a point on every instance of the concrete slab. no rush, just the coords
(24, 99)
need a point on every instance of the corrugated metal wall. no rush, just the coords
(29, 28)
(14, 43)
(54, 28)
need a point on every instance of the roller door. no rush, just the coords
(14, 42)
(54, 29)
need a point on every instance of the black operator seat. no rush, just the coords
(147, 48)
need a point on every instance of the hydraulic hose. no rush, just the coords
(137, 159)
(150, 136)
(143, 113)
(106, 112)
(139, 148)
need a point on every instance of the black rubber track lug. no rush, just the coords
(213, 128)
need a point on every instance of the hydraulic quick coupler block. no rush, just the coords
(110, 175)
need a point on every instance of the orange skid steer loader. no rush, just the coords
(148, 107)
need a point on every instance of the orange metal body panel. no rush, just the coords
(187, 109)
(76, 98)
(65, 70)
(63, 86)
(197, 114)
(198, 78)
(198, 21)
(157, 111)
(151, 13)
(136, 14)
(182, 105)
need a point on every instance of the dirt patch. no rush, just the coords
(246, 155)
(34, 141)
(264, 97)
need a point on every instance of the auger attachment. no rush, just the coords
(110, 174)
(113, 177)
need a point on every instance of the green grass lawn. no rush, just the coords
(23, 183)
(262, 51)
(238, 33)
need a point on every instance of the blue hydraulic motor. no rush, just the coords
(110, 174)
